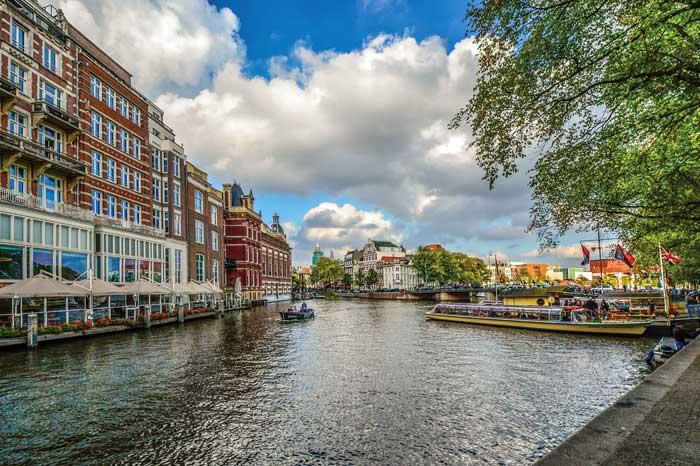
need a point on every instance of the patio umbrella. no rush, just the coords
(180, 288)
(100, 287)
(144, 287)
(212, 287)
(41, 286)
(199, 289)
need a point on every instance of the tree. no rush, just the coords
(422, 261)
(372, 278)
(326, 271)
(360, 278)
(298, 282)
(347, 280)
(605, 97)
(470, 269)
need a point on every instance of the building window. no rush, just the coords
(156, 159)
(156, 219)
(166, 222)
(96, 125)
(125, 176)
(136, 115)
(199, 267)
(50, 59)
(137, 182)
(50, 139)
(177, 220)
(123, 106)
(176, 166)
(97, 202)
(18, 124)
(18, 179)
(165, 162)
(19, 37)
(156, 190)
(125, 210)
(97, 164)
(110, 98)
(215, 271)
(50, 94)
(176, 194)
(166, 192)
(111, 170)
(124, 141)
(95, 87)
(137, 213)
(111, 206)
(198, 232)
(198, 202)
(214, 241)
(214, 215)
(18, 76)
(137, 147)
(50, 191)
(111, 133)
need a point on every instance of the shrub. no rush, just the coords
(122, 321)
(12, 332)
(50, 329)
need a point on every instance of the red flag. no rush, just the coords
(586, 255)
(670, 256)
(624, 255)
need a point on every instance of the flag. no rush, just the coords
(586, 255)
(670, 256)
(624, 256)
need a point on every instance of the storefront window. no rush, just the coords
(145, 266)
(73, 265)
(43, 260)
(113, 274)
(11, 263)
(157, 275)
(129, 270)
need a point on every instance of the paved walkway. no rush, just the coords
(657, 423)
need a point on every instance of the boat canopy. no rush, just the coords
(491, 310)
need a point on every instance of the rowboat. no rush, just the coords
(292, 315)
(550, 319)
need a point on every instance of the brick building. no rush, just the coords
(168, 177)
(276, 262)
(243, 241)
(205, 222)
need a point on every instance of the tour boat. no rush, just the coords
(293, 314)
(545, 318)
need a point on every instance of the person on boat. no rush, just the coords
(652, 307)
(678, 335)
(304, 307)
(605, 309)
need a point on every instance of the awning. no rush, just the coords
(41, 286)
(100, 287)
(199, 289)
(144, 287)
(179, 288)
(212, 287)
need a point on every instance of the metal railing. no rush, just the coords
(43, 106)
(30, 147)
(75, 212)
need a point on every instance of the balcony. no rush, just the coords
(128, 226)
(8, 95)
(14, 148)
(45, 112)
(74, 212)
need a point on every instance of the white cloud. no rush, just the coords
(368, 124)
(163, 43)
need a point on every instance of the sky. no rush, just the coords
(334, 113)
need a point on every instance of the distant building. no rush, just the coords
(276, 262)
(374, 253)
(398, 273)
(317, 255)
(352, 262)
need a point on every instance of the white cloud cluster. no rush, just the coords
(163, 43)
(368, 124)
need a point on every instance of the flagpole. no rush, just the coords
(663, 281)
(600, 261)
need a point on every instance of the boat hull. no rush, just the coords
(627, 329)
(296, 316)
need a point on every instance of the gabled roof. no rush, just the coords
(237, 195)
(385, 244)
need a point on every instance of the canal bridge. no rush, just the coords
(437, 294)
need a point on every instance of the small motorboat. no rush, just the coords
(293, 314)
(664, 349)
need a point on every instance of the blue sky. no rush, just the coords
(334, 113)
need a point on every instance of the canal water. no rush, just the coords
(363, 383)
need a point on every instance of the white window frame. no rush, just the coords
(18, 76)
(52, 65)
(96, 87)
(198, 201)
(137, 181)
(125, 176)
(137, 214)
(110, 98)
(214, 212)
(15, 125)
(199, 232)
(111, 170)
(96, 164)
(110, 133)
(96, 125)
(16, 42)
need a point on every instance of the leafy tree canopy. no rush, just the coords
(326, 270)
(604, 96)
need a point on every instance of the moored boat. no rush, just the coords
(551, 319)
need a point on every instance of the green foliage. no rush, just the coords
(372, 278)
(359, 278)
(347, 279)
(442, 267)
(298, 282)
(326, 270)
(606, 97)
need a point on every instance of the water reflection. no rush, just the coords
(362, 383)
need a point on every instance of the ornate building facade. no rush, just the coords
(276, 262)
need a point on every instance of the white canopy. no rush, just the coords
(41, 286)
(198, 288)
(144, 287)
(212, 287)
(100, 287)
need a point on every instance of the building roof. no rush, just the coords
(236, 195)
(391, 259)
(385, 244)
(276, 226)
